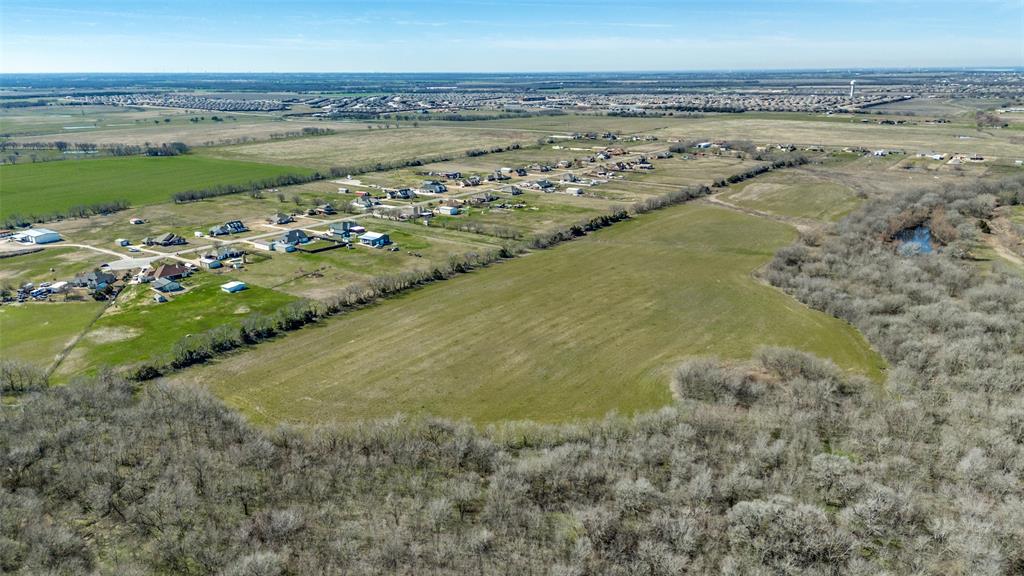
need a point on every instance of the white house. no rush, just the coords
(37, 236)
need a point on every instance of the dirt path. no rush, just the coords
(1003, 251)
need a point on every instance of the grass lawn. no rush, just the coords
(791, 193)
(49, 187)
(137, 328)
(36, 332)
(591, 326)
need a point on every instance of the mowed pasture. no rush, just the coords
(37, 332)
(794, 193)
(593, 326)
(354, 148)
(54, 187)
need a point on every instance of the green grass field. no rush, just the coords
(65, 263)
(586, 328)
(37, 332)
(792, 193)
(49, 187)
(137, 328)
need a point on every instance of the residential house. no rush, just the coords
(167, 239)
(293, 237)
(512, 189)
(545, 185)
(280, 218)
(363, 203)
(230, 227)
(448, 210)
(433, 187)
(166, 285)
(95, 280)
(171, 272)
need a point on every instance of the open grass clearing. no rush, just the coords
(36, 332)
(50, 187)
(574, 332)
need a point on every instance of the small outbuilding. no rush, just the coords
(375, 239)
(234, 286)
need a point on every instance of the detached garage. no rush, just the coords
(234, 286)
(37, 236)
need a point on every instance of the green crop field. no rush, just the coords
(137, 328)
(49, 187)
(577, 331)
(792, 193)
(37, 332)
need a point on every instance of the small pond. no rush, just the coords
(915, 240)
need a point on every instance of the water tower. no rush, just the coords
(853, 83)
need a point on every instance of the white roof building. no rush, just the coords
(37, 236)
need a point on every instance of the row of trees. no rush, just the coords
(789, 162)
(226, 189)
(78, 211)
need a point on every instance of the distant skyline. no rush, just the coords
(499, 36)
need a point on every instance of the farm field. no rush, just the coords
(592, 326)
(137, 125)
(793, 193)
(37, 332)
(50, 187)
(137, 328)
(355, 148)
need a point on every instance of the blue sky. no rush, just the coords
(486, 35)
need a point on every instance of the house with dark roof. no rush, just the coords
(95, 280)
(293, 237)
(171, 272)
(230, 227)
(167, 239)
(280, 218)
(166, 285)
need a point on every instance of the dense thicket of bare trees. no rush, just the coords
(783, 465)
